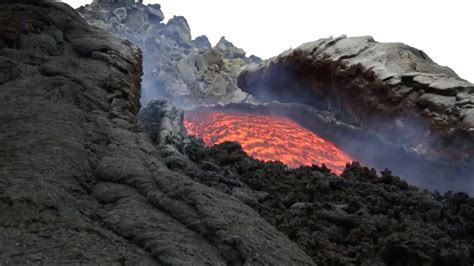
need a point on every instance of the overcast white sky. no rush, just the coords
(443, 29)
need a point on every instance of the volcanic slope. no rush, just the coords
(357, 218)
(80, 181)
(83, 183)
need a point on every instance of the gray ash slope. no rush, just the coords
(84, 182)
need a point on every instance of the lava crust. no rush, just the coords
(357, 218)
(267, 138)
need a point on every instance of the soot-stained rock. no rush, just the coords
(392, 88)
(8, 70)
(469, 120)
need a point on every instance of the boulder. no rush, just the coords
(8, 70)
(177, 28)
(360, 211)
(229, 50)
(120, 13)
(155, 14)
(468, 120)
(202, 42)
(255, 59)
(437, 103)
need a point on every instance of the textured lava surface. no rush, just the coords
(267, 138)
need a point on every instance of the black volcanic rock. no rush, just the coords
(390, 87)
(81, 181)
(358, 218)
(56, 91)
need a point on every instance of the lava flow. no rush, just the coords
(267, 138)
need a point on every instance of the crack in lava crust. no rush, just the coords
(267, 138)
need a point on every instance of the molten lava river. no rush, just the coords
(267, 138)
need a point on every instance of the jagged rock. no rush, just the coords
(8, 70)
(81, 181)
(469, 120)
(155, 15)
(202, 42)
(178, 29)
(359, 218)
(113, 3)
(229, 50)
(392, 88)
(163, 121)
(47, 172)
(255, 59)
(137, 21)
(188, 72)
(120, 13)
(437, 103)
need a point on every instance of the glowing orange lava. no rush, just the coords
(267, 138)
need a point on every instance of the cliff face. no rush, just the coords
(81, 182)
(393, 89)
(188, 72)
(63, 84)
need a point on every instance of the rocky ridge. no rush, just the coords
(188, 72)
(81, 181)
(392, 88)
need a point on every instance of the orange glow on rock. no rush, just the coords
(267, 138)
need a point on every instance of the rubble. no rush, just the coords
(188, 72)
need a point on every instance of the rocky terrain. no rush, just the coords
(364, 144)
(358, 218)
(391, 88)
(187, 71)
(81, 182)
(89, 177)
